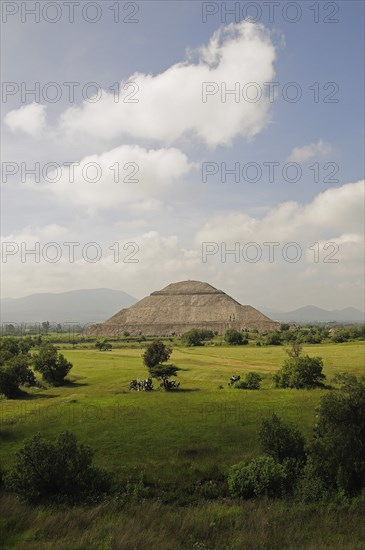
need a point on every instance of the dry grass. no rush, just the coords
(210, 525)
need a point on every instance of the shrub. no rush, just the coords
(52, 365)
(358, 503)
(103, 345)
(281, 440)
(310, 487)
(263, 476)
(251, 381)
(300, 372)
(340, 336)
(191, 338)
(235, 338)
(57, 472)
(273, 339)
(195, 337)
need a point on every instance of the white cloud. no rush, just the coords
(307, 152)
(333, 216)
(125, 175)
(334, 212)
(29, 119)
(170, 103)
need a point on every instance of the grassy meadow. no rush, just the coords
(181, 443)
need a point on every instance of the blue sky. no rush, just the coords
(173, 212)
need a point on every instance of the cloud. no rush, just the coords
(335, 215)
(333, 212)
(29, 119)
(125, 175)
(307, 152)
(169, 105)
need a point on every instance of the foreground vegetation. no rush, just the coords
(263, 524)
(171, 452)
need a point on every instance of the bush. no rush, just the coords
(14, 373)
(263, 476)
(273, 339)
(281, 440)
(235, 338)
(103, 345)
(195, 337)
(358, 503)
(251, 381)
(57, 472)
(52, 365)
(300, 372)
(310, 487)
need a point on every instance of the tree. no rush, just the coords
(163, 373)
(156, 353)
(337, 452)
(14, 366)
(14, 373)
(295, 349)
(57, 472)
(235, 338)
(281, 439)
(52, 365)
(9, 347)
(45, 326)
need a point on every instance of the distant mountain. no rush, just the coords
(314, 314)
(80, 306)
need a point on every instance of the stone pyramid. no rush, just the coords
(180, 307)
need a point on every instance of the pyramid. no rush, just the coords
(180, 307)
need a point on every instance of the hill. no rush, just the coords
(81, 306)
(314, 314)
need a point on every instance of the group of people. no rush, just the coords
(141, 385)
(146, 385)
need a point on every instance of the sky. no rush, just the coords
(150, 142)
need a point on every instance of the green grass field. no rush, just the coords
(176, 440)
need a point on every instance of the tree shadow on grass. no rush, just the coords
(23, 395)
(8, 434)
(73, 384)
(184, 390)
